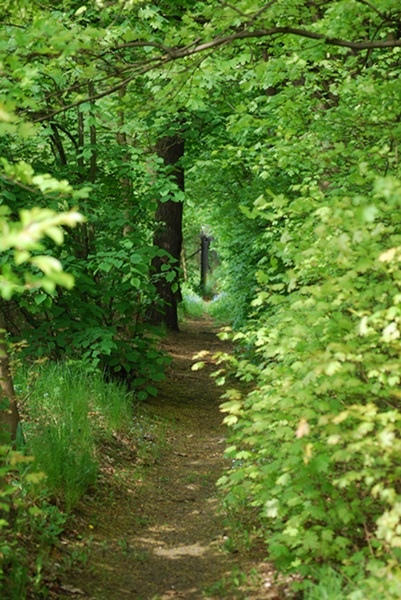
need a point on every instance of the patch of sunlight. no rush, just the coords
(158, 528)
(180, 551)
(182, 356)
(151, 542)
(174, 594)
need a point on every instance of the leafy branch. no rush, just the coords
(173, 54)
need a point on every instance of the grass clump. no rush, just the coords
(332, 584)
(192, 304)
(65, 407)
(219, 306)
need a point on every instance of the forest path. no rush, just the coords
(155, 531)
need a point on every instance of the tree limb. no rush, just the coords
(172, 54)
(175, 53)
(273, 31)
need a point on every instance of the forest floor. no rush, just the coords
(153, 529)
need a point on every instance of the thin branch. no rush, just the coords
(376, 10)
(190, 72)
(237, 10)
(192, 44)
(263, 9)
(67, 133)
(27, 188)
(107, 92)
(135, 65)
(78, 85)
(14, 25)
(141, 44)
(19, 184)
(58, 144)
(250, 18)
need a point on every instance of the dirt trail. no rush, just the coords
(159, 535)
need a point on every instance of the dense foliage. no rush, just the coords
(289, 115)
(315, 445)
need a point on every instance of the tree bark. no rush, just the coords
(204, 262)
(9, 417)
(168, 236)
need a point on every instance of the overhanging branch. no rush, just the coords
(274, 31)
(172, 54)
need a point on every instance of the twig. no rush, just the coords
(367, 537)
(263, 9)
(19, 184)
(376, 10)
(237, 10)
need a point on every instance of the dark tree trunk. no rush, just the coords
(204, 262)
(168, 236)
(87, 242)
(9, 417)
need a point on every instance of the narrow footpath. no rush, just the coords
(154, 530)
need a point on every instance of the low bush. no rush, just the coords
(315, 445)
(28, 528)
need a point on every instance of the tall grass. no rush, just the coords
(192, 304)
(220, 307)
(64, 408)
(65, 412)
(331, 586)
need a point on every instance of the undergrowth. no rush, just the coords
(192, 304)
(218, 307)
(315, 445)
(29, 527)
(68, 415)
(64, 407)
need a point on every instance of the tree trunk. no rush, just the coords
(168, 236)
(204, 262)
(9, 417)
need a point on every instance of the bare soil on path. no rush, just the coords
(154, 527)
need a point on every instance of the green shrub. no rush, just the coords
(28, 529)
(315, 446)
